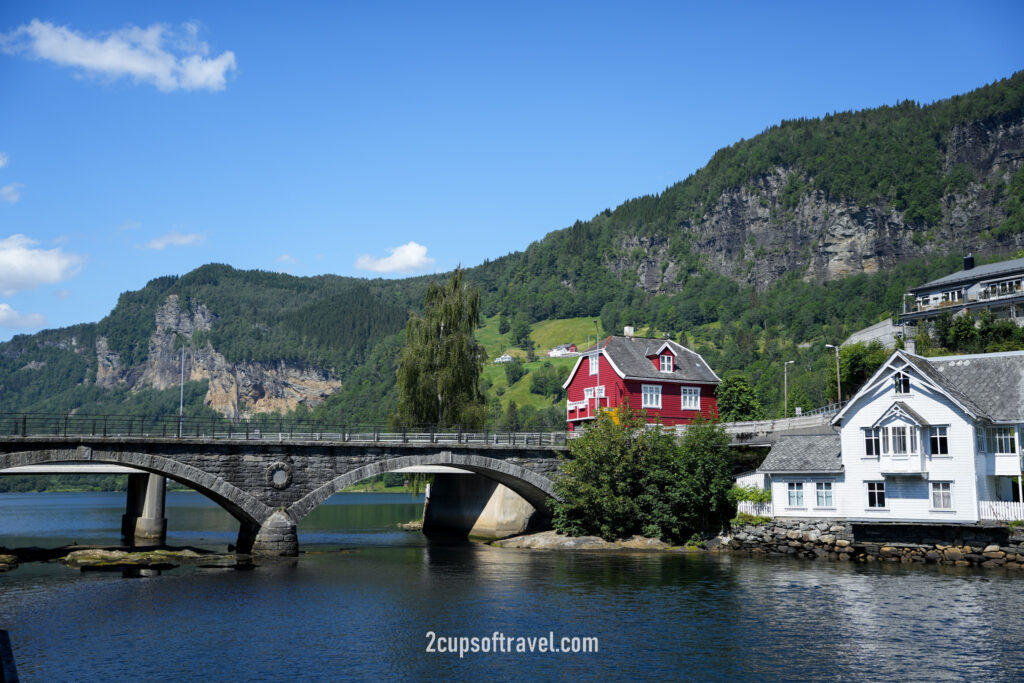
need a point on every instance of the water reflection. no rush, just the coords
(365, 613)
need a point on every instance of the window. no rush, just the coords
(796, 494)
(902, 380)
(942, 495)
(593, 364)
(876, 494)
(979, 439)
(899, 440)
(667, 363)
(691, 398)
(872, 442)
(938, 440)
(1002, 441)
(590, 392)
(824, 491)
(651, 396)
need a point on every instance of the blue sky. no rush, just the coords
(381, 140)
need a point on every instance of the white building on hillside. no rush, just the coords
(925, 440)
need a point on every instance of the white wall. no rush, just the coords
(780, 495)
(909, 498)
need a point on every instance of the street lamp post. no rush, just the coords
(597, 354)
(839, 387)
(785, 387)
(181, 399)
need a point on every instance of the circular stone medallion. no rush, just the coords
(279, 475)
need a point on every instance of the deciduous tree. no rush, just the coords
(439, 369)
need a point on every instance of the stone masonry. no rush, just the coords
(269, 486)
(961, 545)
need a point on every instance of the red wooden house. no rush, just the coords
(668, 381)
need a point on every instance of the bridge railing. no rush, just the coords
(265, 429)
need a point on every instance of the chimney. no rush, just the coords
(910, 346)
(968, 261)
(627, 331)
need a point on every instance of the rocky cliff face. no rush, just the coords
(751, 236)
(236, 390)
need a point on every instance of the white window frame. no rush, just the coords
(943, 492)
(1001, 437)
(666, 363)
(899, 440)
(901, 381)
(823, 494)
(879, 489)
(938, 440)
(795, 494)
(872, 442)
(594, 364)
(648, 394)
(690, 398)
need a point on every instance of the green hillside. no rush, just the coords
(891, 157)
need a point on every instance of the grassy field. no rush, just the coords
(547, 335)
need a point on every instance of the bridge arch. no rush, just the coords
(537, 489)
(239, 504)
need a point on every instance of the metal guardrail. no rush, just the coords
(164, 426)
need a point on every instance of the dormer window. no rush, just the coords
(902, 381)
(667, 363)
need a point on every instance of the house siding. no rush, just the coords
(671, 411)
(583, 380)
(619, 392)
(909, 498)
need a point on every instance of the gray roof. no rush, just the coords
(927, 368)
(985, 272)
(631, 356)
(804, 453)
(993, 383)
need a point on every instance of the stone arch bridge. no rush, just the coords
(270, 483)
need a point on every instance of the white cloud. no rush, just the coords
(403, 259)
(22, 267)
(169, 58)
(11, 318)
(11, 193)
(4, 159)
(175, 239)
(130, 225)
(285, 258)
(62, 294)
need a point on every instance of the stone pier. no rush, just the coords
(143, 521)
(276, 536)
(473, 505)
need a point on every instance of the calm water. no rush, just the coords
(364, 614)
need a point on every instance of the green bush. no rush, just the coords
(624, 478)
(750, 493)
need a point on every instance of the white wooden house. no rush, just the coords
(925, 440)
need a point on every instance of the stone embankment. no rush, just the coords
(959, 545)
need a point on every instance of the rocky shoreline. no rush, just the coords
(836, 540)
(104, 558)
(553, 540)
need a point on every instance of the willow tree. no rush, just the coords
(439, 369)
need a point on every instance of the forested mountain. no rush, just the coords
(781, 243)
